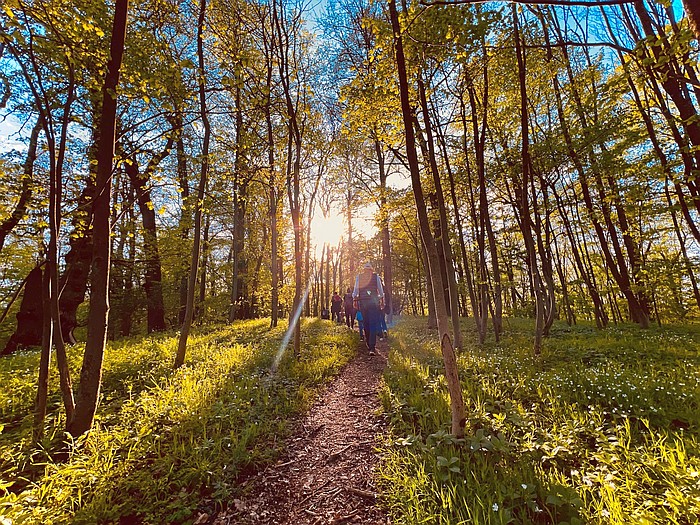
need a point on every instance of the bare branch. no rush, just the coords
(584, 3)
(581, 44)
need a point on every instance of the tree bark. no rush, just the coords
(293, 163)
(457, 407)
(20, 210)
(91, 372)
(201, 191)
(444, 239)
(384, 233)
(153, 285)
(30, 317)
(522, 189)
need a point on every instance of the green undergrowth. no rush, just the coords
(164, 443)
(602, 428)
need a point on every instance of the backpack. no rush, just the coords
(369, 293)
(347, 301)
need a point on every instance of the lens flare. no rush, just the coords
(290, 331)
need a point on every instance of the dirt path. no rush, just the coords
(327, 474)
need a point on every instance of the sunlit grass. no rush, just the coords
(164, 443)
(602, 428)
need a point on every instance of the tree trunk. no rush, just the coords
(153, 285)
(201, 192)
(384, 233)
(20, 210)
(444, 229)
(451, 372)
(200, 308)
(91, 372)
(293, 166)
(41, 287)
(30, 317)
(522, 190)
(692, 9)
(185, 213)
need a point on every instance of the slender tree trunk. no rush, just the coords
(128, 303)
(522, 190)
(45, 359)
(293, 161)
(203, 275)
(153, 286)
(442, 212)
(681, 243)
(385, 235)
(199, 204)
(451, 372)
(91, 372)
(480, 216)
(474, 297)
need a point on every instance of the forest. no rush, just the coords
(185, 184)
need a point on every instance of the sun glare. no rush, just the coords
(326, 230)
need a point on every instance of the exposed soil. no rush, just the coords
(327, 475)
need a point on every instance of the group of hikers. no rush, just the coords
(364, 304)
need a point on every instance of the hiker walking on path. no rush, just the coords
(349, 309)
(369, 294)
(336, 307)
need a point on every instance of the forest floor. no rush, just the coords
(327, 475)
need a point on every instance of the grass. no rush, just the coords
(164, 443)
(603, 428)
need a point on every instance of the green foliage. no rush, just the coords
(603, 428)
(163, 441)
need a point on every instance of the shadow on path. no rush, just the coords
(327, 475)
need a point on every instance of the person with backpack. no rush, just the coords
(369, 296)
(349, 308)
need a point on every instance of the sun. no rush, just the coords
(326, 230)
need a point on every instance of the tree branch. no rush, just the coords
(584, 3)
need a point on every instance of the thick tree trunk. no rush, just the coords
(30, 317)
(692, 9)
(153, 285)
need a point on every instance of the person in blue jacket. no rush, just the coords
(369, 294)
(360, 324)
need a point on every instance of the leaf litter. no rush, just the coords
(327, 474)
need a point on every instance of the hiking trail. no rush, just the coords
(327, 473)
